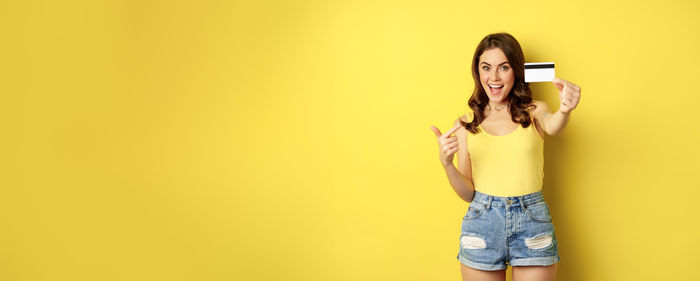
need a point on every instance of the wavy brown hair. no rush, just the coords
(520, 97)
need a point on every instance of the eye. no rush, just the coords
(485, 67)
(505, 67)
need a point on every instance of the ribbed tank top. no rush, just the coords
(508, 165)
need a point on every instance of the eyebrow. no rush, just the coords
(498, 64)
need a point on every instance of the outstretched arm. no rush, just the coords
(552, 123)
(569, 96)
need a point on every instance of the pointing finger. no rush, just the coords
(452, 130)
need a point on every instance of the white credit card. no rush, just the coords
(539, 71)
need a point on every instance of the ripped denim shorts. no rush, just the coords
(497, 231)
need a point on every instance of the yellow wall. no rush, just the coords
(290, 140)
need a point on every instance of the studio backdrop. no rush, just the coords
(290, 140)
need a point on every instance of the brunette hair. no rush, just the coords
(520, 97)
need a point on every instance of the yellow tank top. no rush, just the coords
(507, 165)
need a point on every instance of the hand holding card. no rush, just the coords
(569, 94)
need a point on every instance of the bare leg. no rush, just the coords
(471, 274)
(535, 273)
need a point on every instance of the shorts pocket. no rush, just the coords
(539, 212)
(474, 211)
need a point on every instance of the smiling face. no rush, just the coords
(496, 75)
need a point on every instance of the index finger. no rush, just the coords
(451, 131)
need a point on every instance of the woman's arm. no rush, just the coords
(461, 177)
(557, 122)
(448, 147)
(552, 123)
(569, 96)
(461, 184)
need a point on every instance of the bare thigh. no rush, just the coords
(471, 274)
(535, 273)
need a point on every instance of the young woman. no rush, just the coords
(500, 167)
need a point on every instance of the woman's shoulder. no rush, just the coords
(463, 118)
(537, 104)
(538, 114)
(466, 117)
(538, 107)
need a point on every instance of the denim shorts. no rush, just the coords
(497, 231)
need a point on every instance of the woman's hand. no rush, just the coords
(569, 94)
(448, 145)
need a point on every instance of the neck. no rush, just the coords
(498, 105)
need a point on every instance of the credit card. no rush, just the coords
(539, 72)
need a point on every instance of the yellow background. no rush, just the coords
(290, 140)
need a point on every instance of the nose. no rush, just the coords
(496, 76)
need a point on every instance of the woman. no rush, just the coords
(500, 167)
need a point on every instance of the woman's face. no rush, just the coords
(496, 74)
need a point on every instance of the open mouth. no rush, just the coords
(495, 88)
